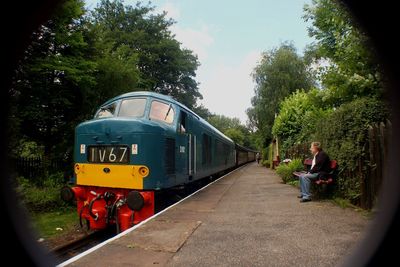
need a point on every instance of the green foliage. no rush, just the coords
(295, 183)
(50, 81)
(28, 149)
(270, 156)
(264, 153)
(352, 70)
(202, 111)
(42, 198)
(142, 40)
(224, 123)
(343, 134)
(280, 72)
(233, 128)
(236, 135)
(341, 202)
(296, 121)
(349, 101)
(297, 117)
(285, 171)
(117, 73)
(266, 163)
(77, 61)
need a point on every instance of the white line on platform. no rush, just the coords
(77, 257)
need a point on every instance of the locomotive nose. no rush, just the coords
(114, 127)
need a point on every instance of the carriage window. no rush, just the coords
(162, 112)
(133, 107)
(106, 111)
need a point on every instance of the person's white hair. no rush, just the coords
(317, 145)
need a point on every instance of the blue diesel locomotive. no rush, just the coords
(136, 144)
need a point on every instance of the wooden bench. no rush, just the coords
(330, 177)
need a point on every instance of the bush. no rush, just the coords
(285, 171)
(266, 163)
(295, 183)
(297, 118)
(270, 156)
(41, 198)
(344, 134)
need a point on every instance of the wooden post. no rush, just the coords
(381, 155)
(371, 174)
(277, 150)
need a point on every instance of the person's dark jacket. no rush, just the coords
(322, 164)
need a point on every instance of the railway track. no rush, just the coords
(75, 247)
(166, 199)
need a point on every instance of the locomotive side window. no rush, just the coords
(106, 111)
(133, 107)
(182, 123)
(206, 149)
(160, 111)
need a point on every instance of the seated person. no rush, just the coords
(320, 165)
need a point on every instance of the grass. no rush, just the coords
(295, 183)
(345, 203)
(46, 223)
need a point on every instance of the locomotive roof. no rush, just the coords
(168, 99)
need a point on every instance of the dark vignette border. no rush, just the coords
(379, 20)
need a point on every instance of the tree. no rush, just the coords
(234, 129)
(298, 117)
(51, 82)
(236, 135)
(280, 72)
(224, 123)
(140, 42)
(353, 71)
(76, 62)
(202, 111)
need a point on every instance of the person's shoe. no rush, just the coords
(300, 196)
(305, 200)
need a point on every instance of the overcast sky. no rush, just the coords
(228, 37)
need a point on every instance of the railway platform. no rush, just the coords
(246, 218)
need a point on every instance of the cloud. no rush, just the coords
(197, 40)
(172, 10)
(227, 89)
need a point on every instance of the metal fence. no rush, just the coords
(34, 168)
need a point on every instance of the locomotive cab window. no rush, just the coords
(133, 107)
(163, 112)
(106, 111)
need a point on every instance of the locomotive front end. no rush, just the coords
(116, 167)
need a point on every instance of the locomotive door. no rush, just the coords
(192, 155)
(187, 147)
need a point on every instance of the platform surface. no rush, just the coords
(248, 218)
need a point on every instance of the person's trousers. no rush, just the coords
(305, 184)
